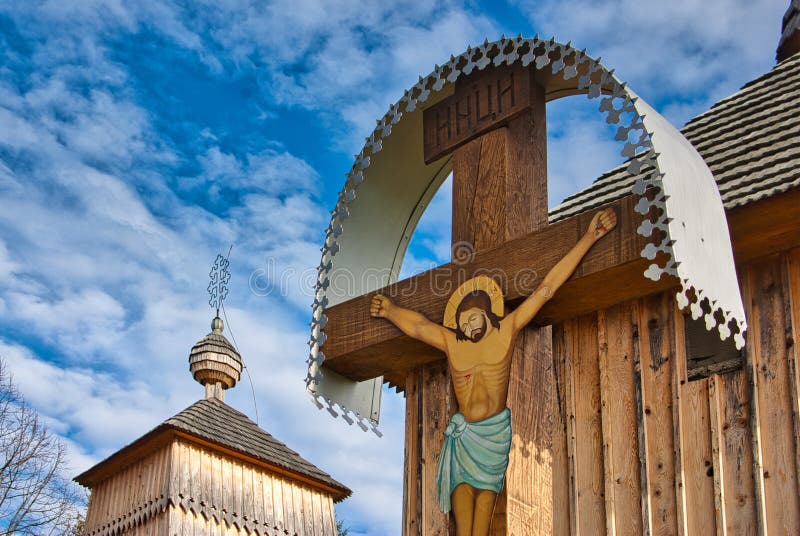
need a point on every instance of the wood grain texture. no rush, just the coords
(791, 292)
(489, 99)
(679, 377)
(698, 467)
(656, 341)
(586, 434)
(240, 495)
(769, 334)
(412, 476)
(436, 410)
(766, 227)
(561, 473)
(361, 347)
(617, 393)
(730, 424)
(128, 491)
(532, 399)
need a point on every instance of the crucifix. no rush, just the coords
(479, 345)
(499, 193)
(485, 120)
(493, 126)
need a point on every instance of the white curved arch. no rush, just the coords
(389, 185)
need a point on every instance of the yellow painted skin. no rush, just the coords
(480, 366)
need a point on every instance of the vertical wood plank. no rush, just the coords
(586, 436)
(238, 488)
(289, 517)
(331, 516)
(316, 507)
(729, 408)
(258, 497)
(617, 390)
(299, 508)
(195, 455)
(561, 479)
(216, 481)
(641, 435)
(791, 289)
(412, 480)
(656, 351)
(277, 501)
(774, 433)
(226, 498)
(435, 414)
(269, 507)
(531, 458)
(697, 460)
(571, 346)
(678, 379)
(248, 502)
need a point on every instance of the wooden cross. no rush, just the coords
(494, 126)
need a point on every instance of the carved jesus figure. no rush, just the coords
(478, 345)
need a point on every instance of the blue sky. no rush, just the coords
(139, 139)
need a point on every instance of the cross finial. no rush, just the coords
(218, 286)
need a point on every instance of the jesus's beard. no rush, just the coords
(476, 335)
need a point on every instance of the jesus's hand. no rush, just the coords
(602, 223)
(380, 306)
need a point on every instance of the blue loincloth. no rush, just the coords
(475, 453)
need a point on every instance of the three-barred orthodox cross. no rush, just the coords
(494, 128)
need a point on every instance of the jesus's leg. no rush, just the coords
(484, 507)
(463, 503)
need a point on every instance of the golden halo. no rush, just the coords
(481, 282)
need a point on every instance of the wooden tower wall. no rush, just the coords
(639, 449)
(133, 497)
(186, 488)
(251, 498)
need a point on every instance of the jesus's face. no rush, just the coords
(474, 324)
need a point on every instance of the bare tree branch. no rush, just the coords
(35, 497)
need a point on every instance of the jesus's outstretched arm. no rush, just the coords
(411, 323)
(601, 224)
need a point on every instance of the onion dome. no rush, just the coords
(214, 362)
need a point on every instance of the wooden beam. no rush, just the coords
(765, 227)
(611, 273)
(361, 347)
(487, 100)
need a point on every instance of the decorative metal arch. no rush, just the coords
(394, 186)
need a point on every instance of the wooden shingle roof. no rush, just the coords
(215, 421)
(750, 141)
(218, 425)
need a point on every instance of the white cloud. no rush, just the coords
(7, 265)
(113, 289)
(581, 147)
(696, 51)
(106, 239)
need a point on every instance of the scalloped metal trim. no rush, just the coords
(617, 104)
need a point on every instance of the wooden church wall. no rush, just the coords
(235, 493)
(639, 449)
(131, 496)
(185, 488)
